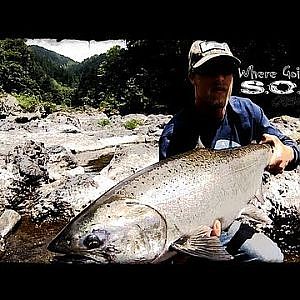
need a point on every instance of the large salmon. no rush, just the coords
(167, 207)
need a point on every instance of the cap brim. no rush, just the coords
(234, 59)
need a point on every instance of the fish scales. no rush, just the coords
(198, 181)
(171, 199)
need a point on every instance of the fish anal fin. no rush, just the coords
(201, 245)
(255, 214)
(258, 198)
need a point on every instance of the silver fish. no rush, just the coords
(167, 207)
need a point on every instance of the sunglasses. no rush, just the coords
(212, 69)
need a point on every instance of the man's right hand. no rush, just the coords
(282, 154)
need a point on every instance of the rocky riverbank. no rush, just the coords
(52, 166)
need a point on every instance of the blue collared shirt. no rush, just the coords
(243, 123)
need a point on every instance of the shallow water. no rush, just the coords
(28, 243)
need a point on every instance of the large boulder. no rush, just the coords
(9, 105)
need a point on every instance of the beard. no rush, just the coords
(218, 96)
(214, 100)
(217, 99)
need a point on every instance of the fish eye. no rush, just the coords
(92, 241)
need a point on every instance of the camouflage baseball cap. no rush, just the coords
(202, 51)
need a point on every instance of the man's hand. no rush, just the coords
(216, 229)
(282, 154)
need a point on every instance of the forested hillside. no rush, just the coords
(140, 78)
(148, 76)
(59, 67)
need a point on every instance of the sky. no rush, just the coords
(76, 49)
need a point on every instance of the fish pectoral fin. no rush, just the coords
(201, 245)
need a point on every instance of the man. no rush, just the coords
(218, 120)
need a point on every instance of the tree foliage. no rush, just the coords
(148, 76)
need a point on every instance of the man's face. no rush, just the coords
(213, 84)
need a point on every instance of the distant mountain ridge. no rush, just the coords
(53, 57)
(64, 69)
(57, 65)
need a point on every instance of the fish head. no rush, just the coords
(116, 232)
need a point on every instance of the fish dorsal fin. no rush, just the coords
(202, 245)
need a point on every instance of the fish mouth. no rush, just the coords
(57, 246)
(76, 258)
(65, 254)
